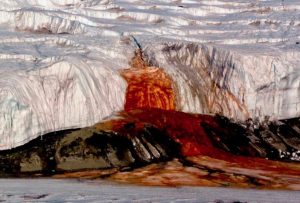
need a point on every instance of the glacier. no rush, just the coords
(61, 59)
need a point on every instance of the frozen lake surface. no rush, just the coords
(50, 190)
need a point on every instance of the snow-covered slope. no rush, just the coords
(61, 59)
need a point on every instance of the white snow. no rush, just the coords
(60, 59)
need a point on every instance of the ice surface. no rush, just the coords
(61, 59)
(46, 190)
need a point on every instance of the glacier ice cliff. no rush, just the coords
(63, 95)
(61, 60)
(211, 79)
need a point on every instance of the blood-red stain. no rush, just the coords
(150, 89)
(150, 99)
(197, 148)
(148, 86)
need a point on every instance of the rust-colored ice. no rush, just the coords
(148, 86)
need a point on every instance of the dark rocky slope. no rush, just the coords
(161, 147)
(89, 149)
(276, 140)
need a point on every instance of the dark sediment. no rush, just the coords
(277, 140)
(160, 147)
(88, 149)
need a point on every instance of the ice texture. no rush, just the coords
(61, 59)
(49, 190)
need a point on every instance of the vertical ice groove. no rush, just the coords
(63, 95)
(209, 79)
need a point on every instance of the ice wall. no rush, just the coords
(211, 79)
(67, 94)
(60, 60)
